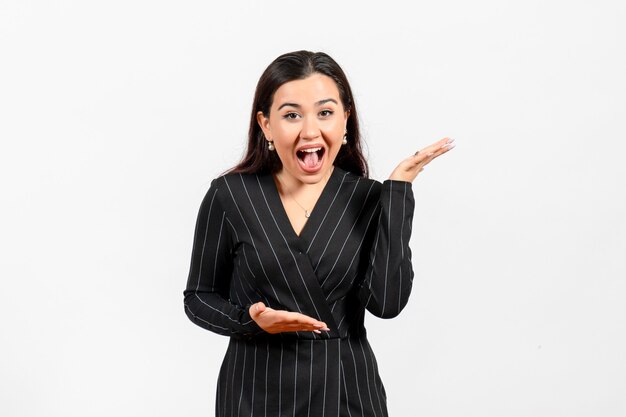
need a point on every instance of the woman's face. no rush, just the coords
(307, 123)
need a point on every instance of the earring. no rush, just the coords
(345, 138)
(270, 145)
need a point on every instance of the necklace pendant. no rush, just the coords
(307, 214)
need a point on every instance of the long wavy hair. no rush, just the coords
(297, 66)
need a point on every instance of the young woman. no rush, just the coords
(295, 243)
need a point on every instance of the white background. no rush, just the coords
(115, 116)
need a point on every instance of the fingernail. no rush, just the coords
(319, 325)
(451, 146)
(317, 331)
(326, 329)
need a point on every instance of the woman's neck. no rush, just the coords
(289, 184)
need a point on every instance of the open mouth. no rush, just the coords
(310, 158)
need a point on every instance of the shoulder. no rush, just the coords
(379, 186)
(238, 191)
(348, 178)
(385, 184)
(233, 183)
(374, 190)
(356, 190)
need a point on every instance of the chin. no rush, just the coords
(309, 178)
(321, 175)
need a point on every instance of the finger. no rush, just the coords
(445, 143)
(438, 146)
(296, 319)
(293, 327)
(256, 309)
(299, 319)
(308, 324)
(303, 328)
(446, 147)
(440, 151)
(442, 142)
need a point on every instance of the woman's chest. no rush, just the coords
(331, 252)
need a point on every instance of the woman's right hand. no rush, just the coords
(278, 321)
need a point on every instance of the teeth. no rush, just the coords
(310, 150)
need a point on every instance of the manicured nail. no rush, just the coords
(317, 331)
(326, 329)
(450, 146)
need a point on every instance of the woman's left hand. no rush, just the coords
(408, 169)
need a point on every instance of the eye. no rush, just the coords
(326, 113)
(291, 115)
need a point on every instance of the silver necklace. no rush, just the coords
(307, 213)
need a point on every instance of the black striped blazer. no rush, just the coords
(351, 255)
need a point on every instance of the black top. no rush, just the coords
(351, 255)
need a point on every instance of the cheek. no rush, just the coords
(284, 143)
(284, 133)
(335, 134)
(283, 151)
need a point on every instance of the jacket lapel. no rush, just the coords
(313, 299)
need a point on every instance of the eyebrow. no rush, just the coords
(319, 103)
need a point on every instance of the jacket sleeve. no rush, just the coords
(389, 277)
(206, 299)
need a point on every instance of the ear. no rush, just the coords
(264, 124)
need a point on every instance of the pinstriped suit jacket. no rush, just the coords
(351, 255)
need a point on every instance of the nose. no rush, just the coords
(310, 128)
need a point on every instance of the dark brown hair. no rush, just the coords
(296, 66)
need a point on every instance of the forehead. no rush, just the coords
(309, 90)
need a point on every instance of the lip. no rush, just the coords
(310, 145)
(318, 167)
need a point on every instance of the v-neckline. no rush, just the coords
(316, 215)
